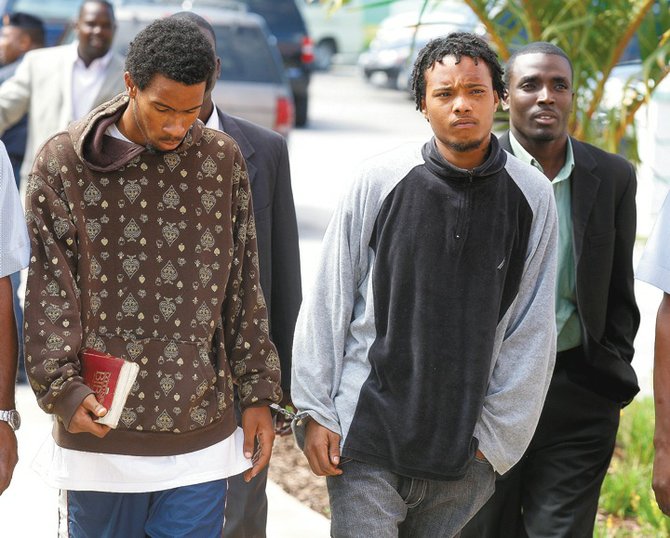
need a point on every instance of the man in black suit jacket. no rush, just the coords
(554, 489)
(266, 155)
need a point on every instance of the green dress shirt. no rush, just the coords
(568, 326)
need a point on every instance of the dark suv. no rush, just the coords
(286, 23)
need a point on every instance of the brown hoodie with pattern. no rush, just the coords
(150, 257)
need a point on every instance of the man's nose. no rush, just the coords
(461, 104)
(545, 95)
(176, 128)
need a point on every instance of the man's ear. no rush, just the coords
(505, 101)
(131, 88)
(424, 110)
(25, 42)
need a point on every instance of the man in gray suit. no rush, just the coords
(266, 155)
(59, 84)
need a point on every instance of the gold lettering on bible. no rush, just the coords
(101, 384)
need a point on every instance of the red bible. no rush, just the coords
(111, 378)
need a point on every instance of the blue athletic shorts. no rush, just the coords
(195, 511)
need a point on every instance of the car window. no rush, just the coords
(631, 53)
(282, 17)
(56, 15)
(245, 55)
(63, 9)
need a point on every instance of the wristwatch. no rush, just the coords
(12, 418)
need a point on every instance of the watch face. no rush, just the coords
(12, 418)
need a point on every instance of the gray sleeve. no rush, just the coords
(323, 325)
(524, 359)
(323, 321)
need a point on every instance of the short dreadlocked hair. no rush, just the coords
(172, 47)
(456, 44)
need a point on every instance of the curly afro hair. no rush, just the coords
(457, 44)
(174, 48)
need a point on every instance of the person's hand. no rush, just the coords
(8, 455)
(257, 426)
(322, 448)
(83, 418)
(282, 421)
(661, 480)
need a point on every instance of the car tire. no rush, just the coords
(392, 79)
(323, 55)
(300, 110)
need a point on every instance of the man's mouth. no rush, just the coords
(97, 42)
(464, 122)
(173, 143)
(545, 117)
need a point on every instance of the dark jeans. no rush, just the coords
(246, 507)
(369, 501)
(553, 491)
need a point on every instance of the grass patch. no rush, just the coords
(627, 507)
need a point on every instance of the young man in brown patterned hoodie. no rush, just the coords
(144, 246)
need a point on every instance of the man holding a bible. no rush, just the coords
(144, 250)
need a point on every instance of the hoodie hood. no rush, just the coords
(438, 165)
(103, 153)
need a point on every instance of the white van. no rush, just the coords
(340, 35)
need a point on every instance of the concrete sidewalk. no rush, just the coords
(29, 508)
(289, 518)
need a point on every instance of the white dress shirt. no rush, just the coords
(86, 82)
(213, 122)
